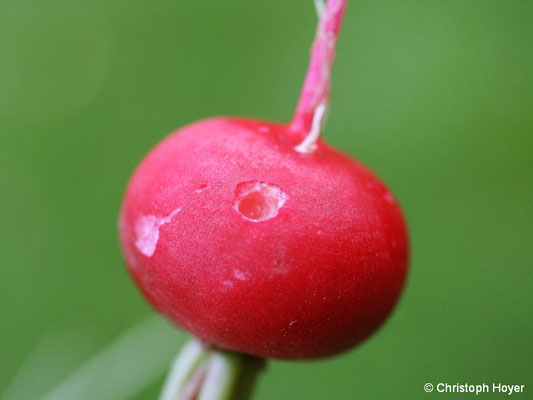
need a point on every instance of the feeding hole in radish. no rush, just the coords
(202, 188)
(258, 201)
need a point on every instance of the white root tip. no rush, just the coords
(320, 7)
(308, 145)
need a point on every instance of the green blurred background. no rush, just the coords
(435, 96)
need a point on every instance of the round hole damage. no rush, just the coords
(258, 201)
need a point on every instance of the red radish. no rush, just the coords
(258, 237)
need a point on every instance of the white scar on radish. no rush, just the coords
(147, 231)
(309, 117)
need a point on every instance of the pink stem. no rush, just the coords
(316, 88)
